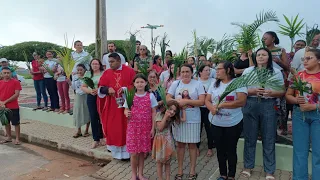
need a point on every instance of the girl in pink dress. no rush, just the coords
(141, 123)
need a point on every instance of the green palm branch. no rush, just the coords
(292, 29)
(130, 47)
(311, 32)
(26, 59)
(183, 54)
(129, 95)
(164, 43)
(177, 64)
(46, 67)
(143, 69)
(162, 93)
(3, 115)
(205, 45)
(67, 62)
(89, 82)
(258, 77)
(248, 38)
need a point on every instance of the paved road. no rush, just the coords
(28, 162)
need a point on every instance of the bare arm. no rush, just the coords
(163, 123)
(290, 98)
(13, 97)
(85, 89)
(239, 102)
(183, 117)
(284, 61)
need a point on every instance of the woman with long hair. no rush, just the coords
(226, 118)
(259, 110)
(169, 80)
(96, 70)
(157, 64)
(305, 118)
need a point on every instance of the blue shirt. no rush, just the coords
(12, 71)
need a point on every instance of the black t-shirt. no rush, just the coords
(241, 64)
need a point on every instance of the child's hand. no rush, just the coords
(166, 115)
(152, 133)
(127, 113)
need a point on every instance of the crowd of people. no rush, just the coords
(164, 127)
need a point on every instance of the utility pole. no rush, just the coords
(101, 29)
(152, 27)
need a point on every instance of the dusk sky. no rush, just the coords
(44, 20)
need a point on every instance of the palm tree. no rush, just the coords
(311, 32)
(223, 49)
(205, 45)
(292, 29)
(248, 38)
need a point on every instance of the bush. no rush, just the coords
(27, 76)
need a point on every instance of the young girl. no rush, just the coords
(140, 125)
(163, 146)
(80, 108)
(63, 89)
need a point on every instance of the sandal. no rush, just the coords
(193, 176)
(45, 109)
(37, 108)
(178, 177)
(246, 174)
(270, 177)
(17, 143)
(49, 110)
(86, 134)
(77, 135)
(222, 178)
(5, 141)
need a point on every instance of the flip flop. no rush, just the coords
(37, 108)
(86, 135)
(269, 177)
(17, 143)
(5, 141)
(77, 135)
(246, 174)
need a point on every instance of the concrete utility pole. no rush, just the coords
(152, 27)
(101, 28)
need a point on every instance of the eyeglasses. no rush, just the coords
(307, 58)
(142, 49)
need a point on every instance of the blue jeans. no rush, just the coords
(40, 88)
(96, 126)
(52, 89)
(303, 131)
(261, 114)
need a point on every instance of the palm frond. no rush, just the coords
(311, 32)
(26, 59)
(67, 62)
(130, 47)
(3, 115)
(129, 95)
(49, 70)
(143, 69)
(89, 82)
(162, 93)
(164, 43)
(177, 64)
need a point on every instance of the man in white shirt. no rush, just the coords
(297, 63)
(105, 59)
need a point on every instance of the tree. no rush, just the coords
(292, 29)
(14, 52)
(248, 38)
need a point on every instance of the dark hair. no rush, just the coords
(155, 72)
(176, 117)
(6, 68)
(194, 59)
(141, 76)
(83, 66)
(303, 41)
(169, 63)
(171, 75)
(112, 43)
(270, 59)
(188, 66)
(101, 67)
(77, 41)
(170, 52)
(137, 41)
(202, 56)
(316, 52)
(155, 58)
(227, 65)
(115, 56)
(275, 36)
(201, 69)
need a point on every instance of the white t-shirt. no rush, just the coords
(80, 57)
(206, 84)
(164, 75)
(51, 63)
(190, 91)
(154, 102)
(105, 60)
(278, 76)
(225, 117)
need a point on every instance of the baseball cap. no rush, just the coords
(3, 60)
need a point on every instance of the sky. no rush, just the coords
(47, 20)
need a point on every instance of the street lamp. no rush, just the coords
(152, 27)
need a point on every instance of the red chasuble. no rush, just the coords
(114, 122)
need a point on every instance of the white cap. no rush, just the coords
(3, 60)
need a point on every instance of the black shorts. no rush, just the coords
(14, 117)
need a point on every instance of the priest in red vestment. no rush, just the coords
(114, 122)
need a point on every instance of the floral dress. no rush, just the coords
(163, 145)
(140, 125)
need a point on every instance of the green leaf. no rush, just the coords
(129, 95)
(162, 93)
(89, 82)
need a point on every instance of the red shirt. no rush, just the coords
(157, 68)
(8, 89)
(35, 68)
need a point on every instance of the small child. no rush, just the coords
(163, 146)
(140, 128)
(63, 89)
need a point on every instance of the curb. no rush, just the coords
(92, 153)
